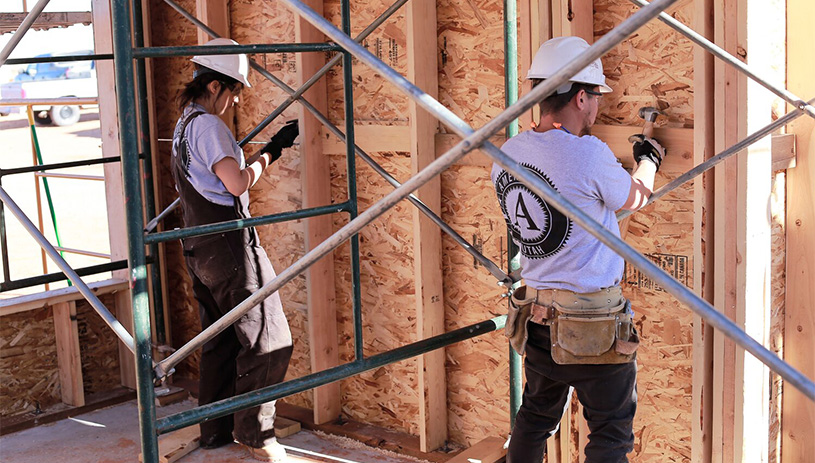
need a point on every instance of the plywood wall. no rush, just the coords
(29, 376)
(652, 68)
(29, 373)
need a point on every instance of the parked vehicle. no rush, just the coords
(53, 80)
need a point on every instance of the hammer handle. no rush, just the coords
(648, 128)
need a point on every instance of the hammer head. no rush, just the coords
(649, 113)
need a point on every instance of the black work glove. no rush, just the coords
(284, 138)
(649, 149)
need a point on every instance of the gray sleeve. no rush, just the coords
(213, 140)
(610, 181)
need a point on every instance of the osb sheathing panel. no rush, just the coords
(170, 28)
(279, 189)
(653, 67)
(375, 99)
(98, 348)
(386, 396)
(471, 58)
(663, 232)
(29, 372)
(29, 375)
(477, 369)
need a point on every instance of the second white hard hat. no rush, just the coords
(234, 66)
(558, 52)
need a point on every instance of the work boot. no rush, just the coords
(273, 452)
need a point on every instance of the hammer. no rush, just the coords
(649, 113)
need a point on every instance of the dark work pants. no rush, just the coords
(254, 352)
(608, 394)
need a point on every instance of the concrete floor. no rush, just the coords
(111, 435)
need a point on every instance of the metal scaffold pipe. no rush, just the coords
(718, 52)
(472, 140)
(94, 301)
(20, 32)
(603, 45)
(491, 267)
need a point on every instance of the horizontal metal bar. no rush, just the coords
(469, 143)
(547, 193)
(94, 301)
(48, 101)
(257, 397)
(82, 252)
(60, 165)
(70, 176)
(59, 276)
(712, 162)
(720, 53)
(164, 52)
(238, 224)
(60, 59)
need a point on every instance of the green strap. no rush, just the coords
(45, 184)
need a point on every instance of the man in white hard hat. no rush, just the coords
(213, 178)
(571, 319)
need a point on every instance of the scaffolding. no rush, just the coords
(128, 56)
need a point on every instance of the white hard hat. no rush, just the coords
(558, 52)
(234, 66)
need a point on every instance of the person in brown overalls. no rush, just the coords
(213, 179)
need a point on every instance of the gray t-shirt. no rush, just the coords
(555, 252)
(209, 140)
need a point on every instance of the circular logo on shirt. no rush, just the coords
(541, 229)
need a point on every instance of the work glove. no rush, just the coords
(649, 149)
(284, 138)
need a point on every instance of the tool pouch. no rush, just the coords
(520, 311)
(594, 336)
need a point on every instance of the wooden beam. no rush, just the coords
(321, 297)
(10, 22)
(68, 358)
(156, 184)
(427, 250)
(127, 360)
(489, 450)
(703, 142)
(726, 114)
(798, 416)
(56, 296)
(215, 14)
(380, 138)
(114, 188)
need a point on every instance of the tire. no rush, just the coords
(64, 115)
(42, 117)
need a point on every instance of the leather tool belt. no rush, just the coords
(586, 328)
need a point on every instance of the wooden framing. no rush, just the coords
(215, 14)
(316, 170)
(70, 364)
(108, 118)
(156, 185)
(703, 137)
(10, 22)
(427, 247)
(798, 420)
